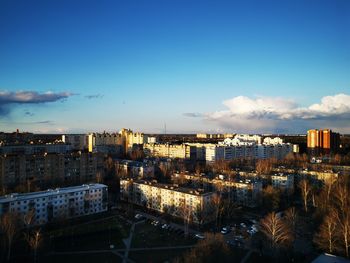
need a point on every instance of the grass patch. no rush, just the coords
(147, 235)
(91, 227)
(156, 256)
(86, 258)
(94, 235)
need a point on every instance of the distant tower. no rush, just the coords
(164, 127)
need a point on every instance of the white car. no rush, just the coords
(199, 236)
(138, 216)
(155, 223)
(225, 230)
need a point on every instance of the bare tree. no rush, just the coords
(28, 218)
(185, 212)
(341, 195)
(264, 166)
(198, 169)
(329, 185)
(8, 225)
(305, 189)
(291, 216)
(344, 229)
(271, 197)
(210, 249)
(276, 230)
(34, 241)
(218, 207)
(326, 238)
(337, 159)
(98, 177)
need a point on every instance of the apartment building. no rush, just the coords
(214, 152)
(199, 149)
(194, 205)
(35, 148)
(248, 192)
(181, 151)
(16, 169)
(59, 203)
(135, 169)
(284, 182)
(79, 142)
(152, 139)
(323, 140)
(214, 136)
(129, 139)
(243, 192)
(320, 175)
(95, 140)
(262, 151)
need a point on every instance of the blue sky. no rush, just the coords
(184, 63)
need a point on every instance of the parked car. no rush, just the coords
(155, 223)
(165, 226)
(225, 230)
(199, 236)
(139, 216)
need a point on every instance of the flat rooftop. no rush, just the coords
(49, 192)
(176, 188)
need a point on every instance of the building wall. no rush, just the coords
(190, 205)
(181, 151)
(284, 182)
(75, 166)
(61, 203)
(323, 139)
(77, 141)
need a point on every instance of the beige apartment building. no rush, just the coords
(125, 138)
(181, 151)
(194, 205)
(79, 167)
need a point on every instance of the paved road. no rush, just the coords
(129, 240)
(127, 243)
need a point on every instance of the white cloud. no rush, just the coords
(276, 114)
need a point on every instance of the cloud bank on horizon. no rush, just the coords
(277, 114)
(10, 98)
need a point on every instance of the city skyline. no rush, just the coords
(195, 66)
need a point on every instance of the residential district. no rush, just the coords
(135, 197)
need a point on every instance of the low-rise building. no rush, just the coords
(243, 192)
(135, 169)
(284, 182)
(320, 175)
(248, 192)
(60, 203)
